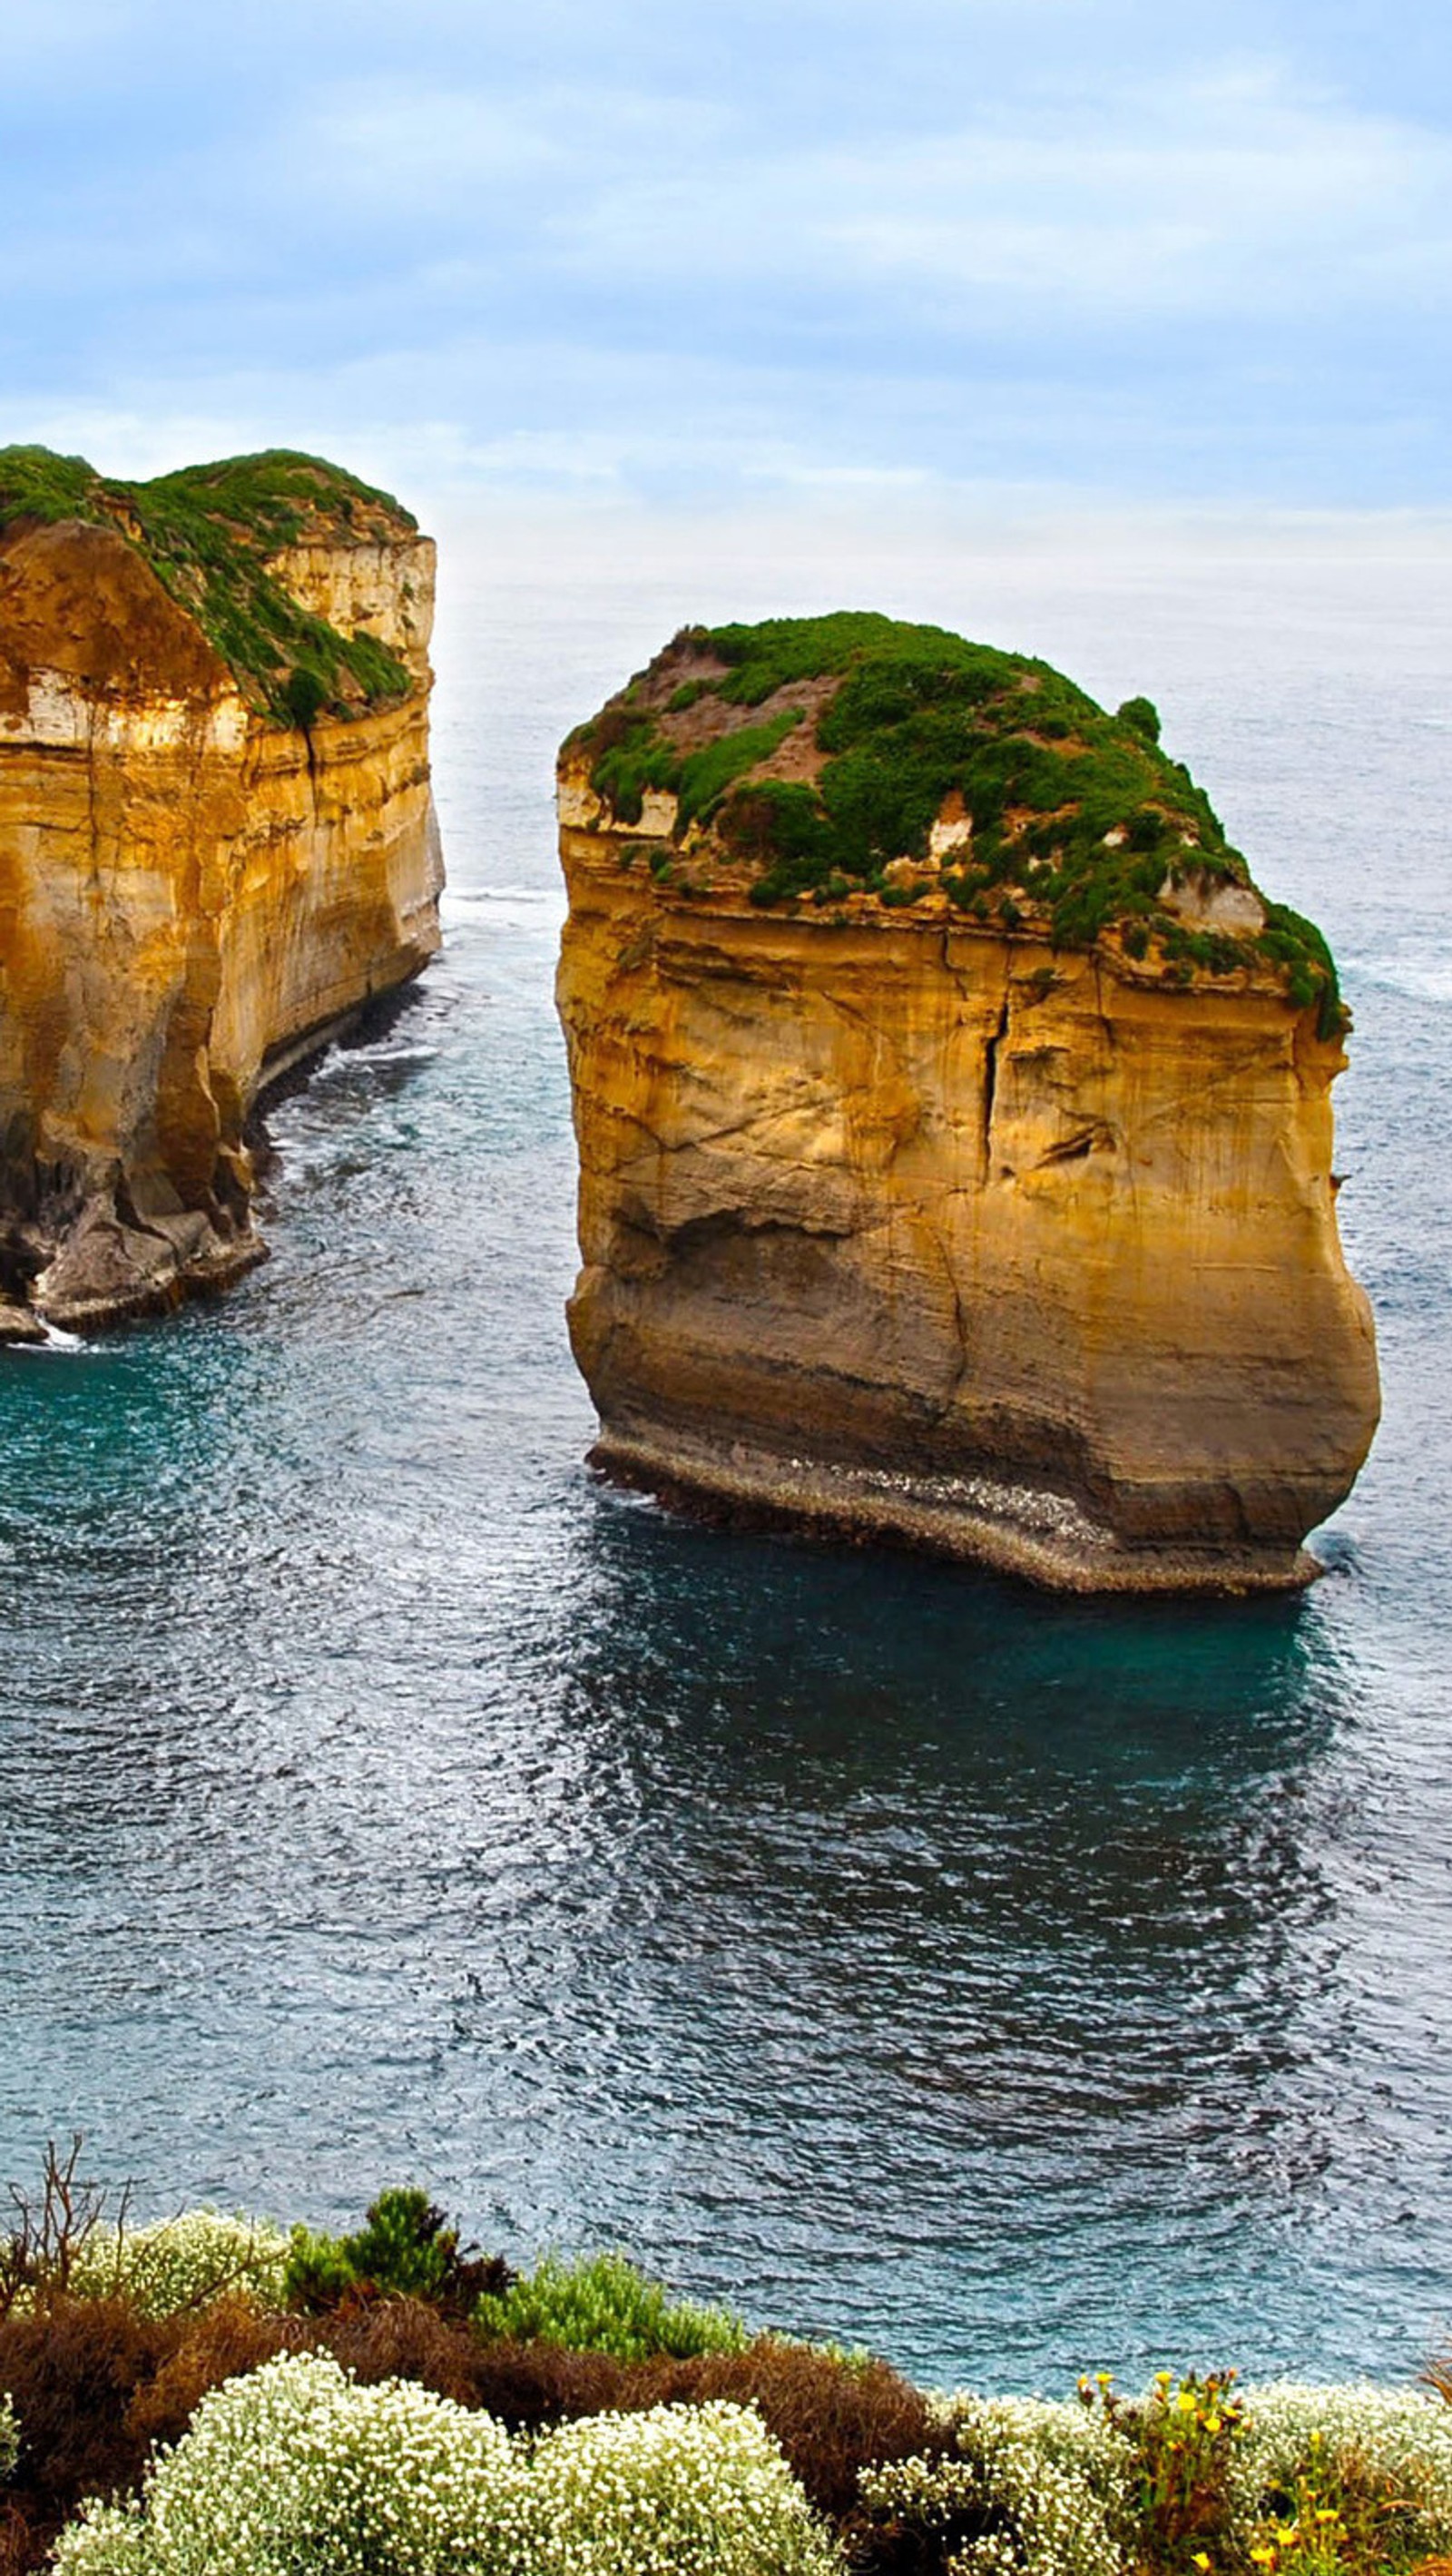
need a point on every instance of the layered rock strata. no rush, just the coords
(217, 844)
(906, 1212)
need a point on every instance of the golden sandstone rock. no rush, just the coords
(903, 1210)
(196, 888)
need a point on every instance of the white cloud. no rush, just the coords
(1221, 276)
(414, 150)
(1221, 193)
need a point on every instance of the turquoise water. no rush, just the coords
(1015, 1985)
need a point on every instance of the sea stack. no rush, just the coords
(954, 1119)
(217, 845)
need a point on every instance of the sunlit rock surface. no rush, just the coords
(196, 888)
(898, 1216)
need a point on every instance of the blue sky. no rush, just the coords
(1190, 254)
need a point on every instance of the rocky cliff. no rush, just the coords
(217, 842)
(954, 1119)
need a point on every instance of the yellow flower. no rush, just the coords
(1201, 2559)
(1212, 2423)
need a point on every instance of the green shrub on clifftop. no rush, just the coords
(603, 2304)
(208, 533)
(1067, 822)
(404, 2250)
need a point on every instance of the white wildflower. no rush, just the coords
(1035, 2489)
(295, 2470)
(675, 2488)
(183, 2262)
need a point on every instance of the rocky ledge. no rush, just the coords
(954, 1119)
(217, 844)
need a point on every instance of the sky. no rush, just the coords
(1193, 255)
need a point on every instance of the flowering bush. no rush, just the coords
(1341, 2477)
(9, 2438)
(295, 2470)
(183, 2262)
(668, 2493)
(1032, 2487)
(1181, 2433)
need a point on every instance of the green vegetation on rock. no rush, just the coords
(1065, 820)
(209, 533)
(603, 2304)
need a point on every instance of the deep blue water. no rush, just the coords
(1016, 1985)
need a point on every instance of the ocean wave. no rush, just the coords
(1428, 979)
(486, 902)
(55, 1340)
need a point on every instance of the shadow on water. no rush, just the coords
(994, 1664)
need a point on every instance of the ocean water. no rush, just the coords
(1016, 1985)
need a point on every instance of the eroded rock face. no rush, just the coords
(192, 893)
(903, 1223)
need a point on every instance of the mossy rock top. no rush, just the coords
(854, 762)
(211, 534)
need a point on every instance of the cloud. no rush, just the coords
(1214, 194)
(1072, 239)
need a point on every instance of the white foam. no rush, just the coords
(55, 1340)
(1427, 980)
(481, 901)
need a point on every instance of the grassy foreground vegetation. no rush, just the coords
(209, 532)
(1071, 821)
(220, 2397)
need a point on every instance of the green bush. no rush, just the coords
(603, 2304)
(1142, 716)
(704, 776)
(303, 696)
(1298, 945)
(405, 2250)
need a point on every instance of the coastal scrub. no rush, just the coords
(387, 2434)
(604, 2304)
(297, 2468)
(210, 533)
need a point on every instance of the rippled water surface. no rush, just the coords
(1016, 1985)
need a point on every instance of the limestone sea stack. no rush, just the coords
(953, 1117)
(217, 843)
